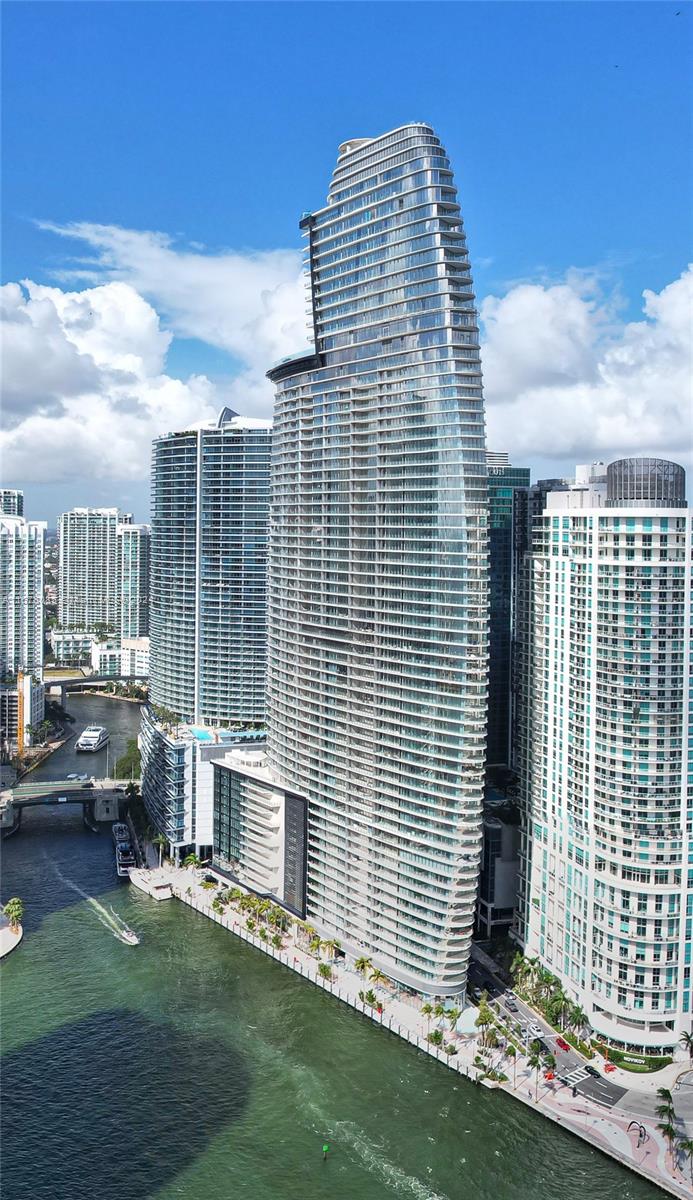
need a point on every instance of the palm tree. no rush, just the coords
(363, 964)
(370, 997)
(377, 976)
(277, 941)
(439, 1010)
(14, 911)
(332, 945)
(453, 1015)
(685, 1145)
(315, 943)
(578, 1018)
(534, 1062)
(511, 1052)
(484, 1019)
(324, 970)
(669, 1131)
(160, 841)
(427, 1012)
(686, 1041)
(191, 860)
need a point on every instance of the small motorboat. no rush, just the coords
(129, 936)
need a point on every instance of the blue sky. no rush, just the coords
(217, 124)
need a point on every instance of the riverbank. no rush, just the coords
(607, 1130)
(44, 754)
(111, 696)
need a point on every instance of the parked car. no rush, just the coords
(535, 1030)
(562, 1044)
(511, 1006)
(592, 1071)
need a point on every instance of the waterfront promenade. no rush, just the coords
(622, 1131)
(9, 938)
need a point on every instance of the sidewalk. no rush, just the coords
(641, 1148)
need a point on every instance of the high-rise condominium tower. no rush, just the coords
(21, 623)
(504, 480)
(377, 596)
(133, 580)
(11, 502)
(210, 499)
(88, 567)
(603, 751)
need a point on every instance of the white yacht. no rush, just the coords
(93, 738)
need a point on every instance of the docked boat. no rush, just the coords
(93, 738)
(121, 833)
(125, 859)
(154, 883)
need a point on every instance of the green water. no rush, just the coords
(192, 1067)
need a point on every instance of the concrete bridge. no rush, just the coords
(100, 799)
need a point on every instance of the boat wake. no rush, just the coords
(110, 920)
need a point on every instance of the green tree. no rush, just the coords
(315, 943)
(332, 945)
(324, 970)
(686, 1041)
(129, 765)
(451, 1048)
(511, 1052)
(435, 1038)
(427, 1012)
(363, 964)
(453, 1015)
(370, 997)
(377, 976)
(685, 1145)
(14, 911)
(191, 860)
(160, 842)
(250, 925)
(534, 1061)
(277, 941)
(668, 1128)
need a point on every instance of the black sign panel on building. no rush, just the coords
(295, 852)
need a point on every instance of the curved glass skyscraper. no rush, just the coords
(377, 591)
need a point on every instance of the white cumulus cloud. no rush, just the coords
(563, 379)
(84, 372)
(86, 386)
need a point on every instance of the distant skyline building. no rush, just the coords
(504, 480)
(21, 624)
(11, 502)
(210, 502)
(378, 589)
(88, 567)
(604, 749)
(133, 542)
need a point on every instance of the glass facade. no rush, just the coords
(604, 756)
(503, 482)
(210, 496)
(378, 590)
(88, 571)
(133, 580)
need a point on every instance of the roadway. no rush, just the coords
(570, 1066)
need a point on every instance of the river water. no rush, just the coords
(192, 1067)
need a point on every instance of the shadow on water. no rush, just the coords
(131, 1106)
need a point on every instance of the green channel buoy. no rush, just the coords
(325, 1150)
